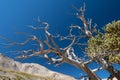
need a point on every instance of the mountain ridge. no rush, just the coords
(7, 64)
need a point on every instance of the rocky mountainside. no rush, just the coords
(13, 70)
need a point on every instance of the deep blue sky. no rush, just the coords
(16, 14)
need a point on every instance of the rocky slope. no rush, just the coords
(13, 70)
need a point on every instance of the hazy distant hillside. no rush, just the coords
(13, 70)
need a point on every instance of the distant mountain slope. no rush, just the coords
(13, 70)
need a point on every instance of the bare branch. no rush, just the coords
(71, 44)
(47, 43)
(55, 45)
(15, 43)
(56, 60)
(89, 61)
(87, 25)
(46, 30)
(97, 69)
(33, 53)
(35, 28)
(6, 39)
(72, 56)
(76, 26)
(89, 22)
(94, 28)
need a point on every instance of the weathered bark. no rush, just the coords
(113, 72)
(92, 76)
(84, 67)
(107, 66)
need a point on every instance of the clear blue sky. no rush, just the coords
(16, 14)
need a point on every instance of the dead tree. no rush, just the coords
(100, 59)
(67, 54)
(64, 55)
(89, 33)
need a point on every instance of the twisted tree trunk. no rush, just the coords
(84, 67)
(113, 72)
(107, 66)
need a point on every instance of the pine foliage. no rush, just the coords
(106, 44)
